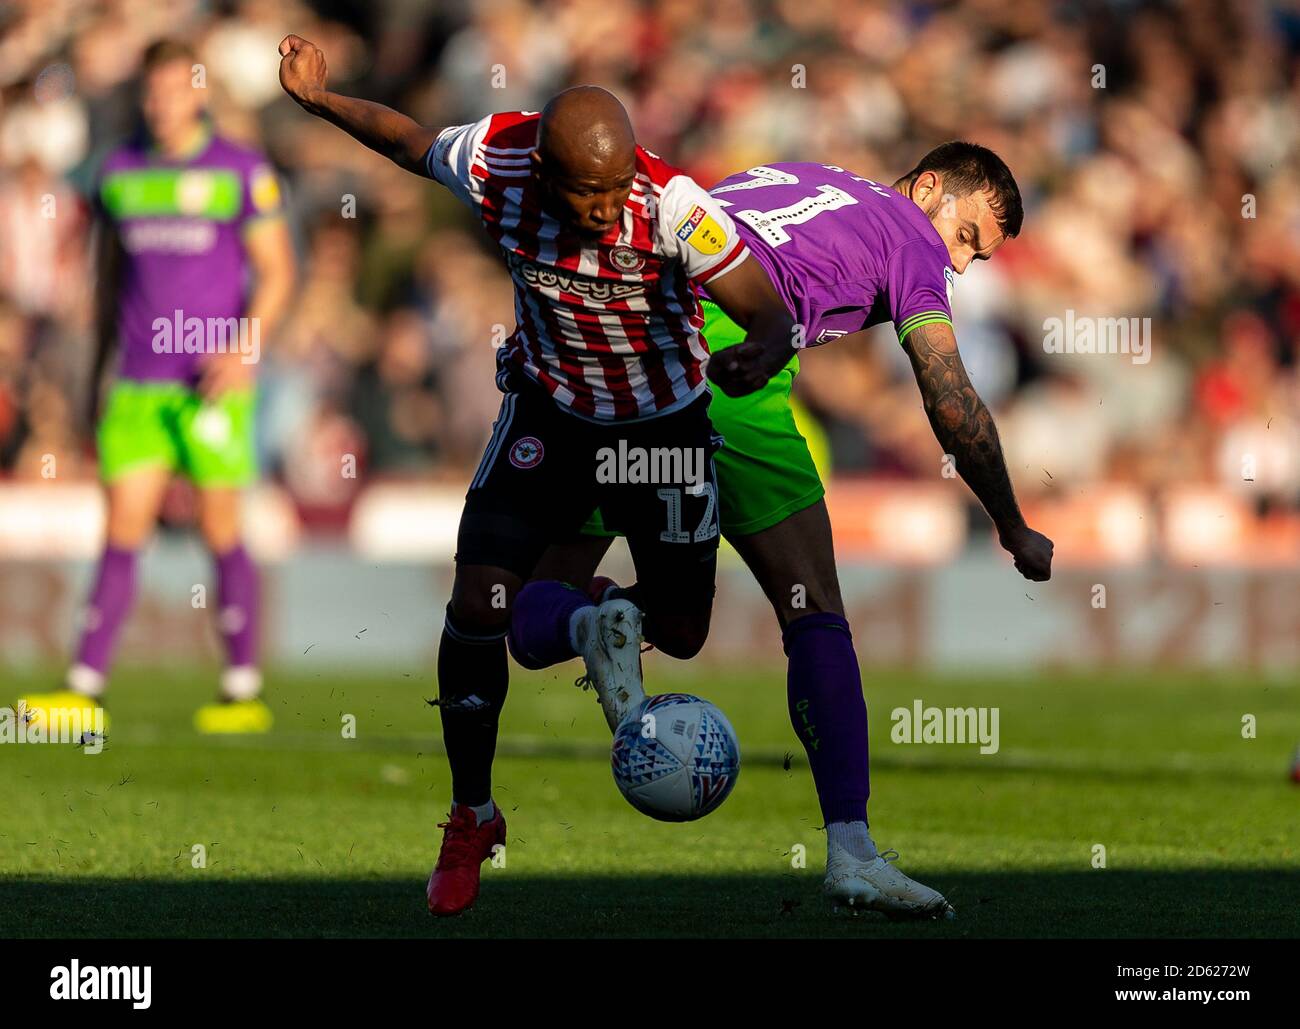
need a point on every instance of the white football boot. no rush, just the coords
(855, 885)
(609, 639)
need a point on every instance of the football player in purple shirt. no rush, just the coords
(845, 253)
(194, 268)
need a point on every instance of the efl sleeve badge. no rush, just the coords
(701, 232)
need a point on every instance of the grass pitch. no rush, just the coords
(310, 834)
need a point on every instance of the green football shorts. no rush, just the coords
(766, 471)
(167, 424)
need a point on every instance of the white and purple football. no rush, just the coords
(675, 757)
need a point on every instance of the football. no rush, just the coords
(675, 757)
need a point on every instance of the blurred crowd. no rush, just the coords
(1157, 146)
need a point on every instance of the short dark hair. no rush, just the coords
(970, 168)
(164, 51)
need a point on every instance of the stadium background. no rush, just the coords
(1156, 146)
(1150, 737)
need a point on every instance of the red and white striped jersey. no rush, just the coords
(609, 327)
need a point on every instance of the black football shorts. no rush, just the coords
(545, 471)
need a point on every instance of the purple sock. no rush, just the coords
(828, 712)
(539, 622)
(237, 606)
(109, 603)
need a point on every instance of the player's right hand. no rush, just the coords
(222, 373)
(1031, 551)
(302, 70)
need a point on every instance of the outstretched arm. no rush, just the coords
(965, 429)
(399, 138)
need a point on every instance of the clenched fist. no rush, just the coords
(302, 70)
(746, 367)
(1031, 550)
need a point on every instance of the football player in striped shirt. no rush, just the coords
(846, 253)
(606, 244)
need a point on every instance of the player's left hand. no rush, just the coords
(745, 368)
(223, 373)
(1031, 550)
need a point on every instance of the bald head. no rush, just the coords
(586, 127)
(586, 157)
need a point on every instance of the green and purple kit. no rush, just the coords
(181, 224)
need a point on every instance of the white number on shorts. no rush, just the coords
(707, 528)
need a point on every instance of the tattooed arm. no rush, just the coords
(965, 429)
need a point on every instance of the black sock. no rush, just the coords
(473, 674)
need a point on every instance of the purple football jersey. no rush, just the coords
(181, 223)
(844, 252)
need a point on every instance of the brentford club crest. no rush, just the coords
(625, 259)
(527, 452)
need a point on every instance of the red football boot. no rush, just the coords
(453, 886)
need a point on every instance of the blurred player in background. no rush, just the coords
(190, 238)
(846, 254)
(605, 242)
